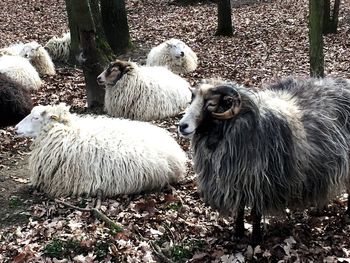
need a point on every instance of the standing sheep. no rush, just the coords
(175, 55)
(286, 146)
(143, 93)
(38, 57)
(19, 70)
(58, 48)
(74, 155)
(15, 102)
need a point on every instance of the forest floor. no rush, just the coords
(173, 225)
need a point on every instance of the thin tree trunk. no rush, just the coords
(74, 34)
(95, 57)
(330, 22)
(225, 27)
(115, 24)
(316, 9)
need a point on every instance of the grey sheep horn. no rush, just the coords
(231, 95)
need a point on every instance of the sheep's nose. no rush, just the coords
(99, 79)
(182, 54)
(182, 127)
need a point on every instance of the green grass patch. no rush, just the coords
(174, 206)
(64, 248)
(15, 202)
(180, 253)
(101, 250)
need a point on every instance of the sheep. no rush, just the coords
(38, 57)
(174, 54)
(76, 155)
(142, 92)
(285, 146)
(15, 102)
(59, 48)
(19, 70)
(12, 50)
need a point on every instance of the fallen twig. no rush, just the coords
(95, 212)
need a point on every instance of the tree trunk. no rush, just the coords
(225, 27)
(93, 49)
(115, 24)
(316, 9)
(74, 34)
(330, 22)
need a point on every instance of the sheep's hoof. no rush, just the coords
(239, 231)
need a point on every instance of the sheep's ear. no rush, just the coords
(127, 68)
(193, 90)
(193, 93)
(54, 117)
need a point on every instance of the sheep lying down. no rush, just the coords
(75, 155)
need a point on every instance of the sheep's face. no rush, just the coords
(218, 102)
(113, 73)
(30, 50)
(176, 49)
(39, 117)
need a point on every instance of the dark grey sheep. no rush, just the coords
(15, 102)
(285, 146)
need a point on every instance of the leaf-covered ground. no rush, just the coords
(173, 225)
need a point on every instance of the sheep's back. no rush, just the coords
(150, 93)
(118, 158)
(20, 70)
(15, 102)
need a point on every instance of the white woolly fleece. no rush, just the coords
(165, 55)
(20, 71)
(147, 93)
(114, 155)
(58, 47)
(39, 58)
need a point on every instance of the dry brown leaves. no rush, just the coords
(271, 40)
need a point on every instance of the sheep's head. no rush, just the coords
(40, 117)
(114, 72)
(30, 50)
(176, 48)
(220, 102)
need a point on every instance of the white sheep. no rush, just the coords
(19, 70)
(142, 92)
(75, 155)
(58, 47)
(35, 53)
(174, 54)
(12, 50)
(38, 57)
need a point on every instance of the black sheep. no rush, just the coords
(15, 102)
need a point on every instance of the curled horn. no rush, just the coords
(231, 95)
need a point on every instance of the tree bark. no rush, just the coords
(94, 51)
(74, 34)
(316, 9)
(115, 24)
(225, 27)
(330, 21)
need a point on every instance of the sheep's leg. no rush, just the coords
(239, 228)
(256, 235)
